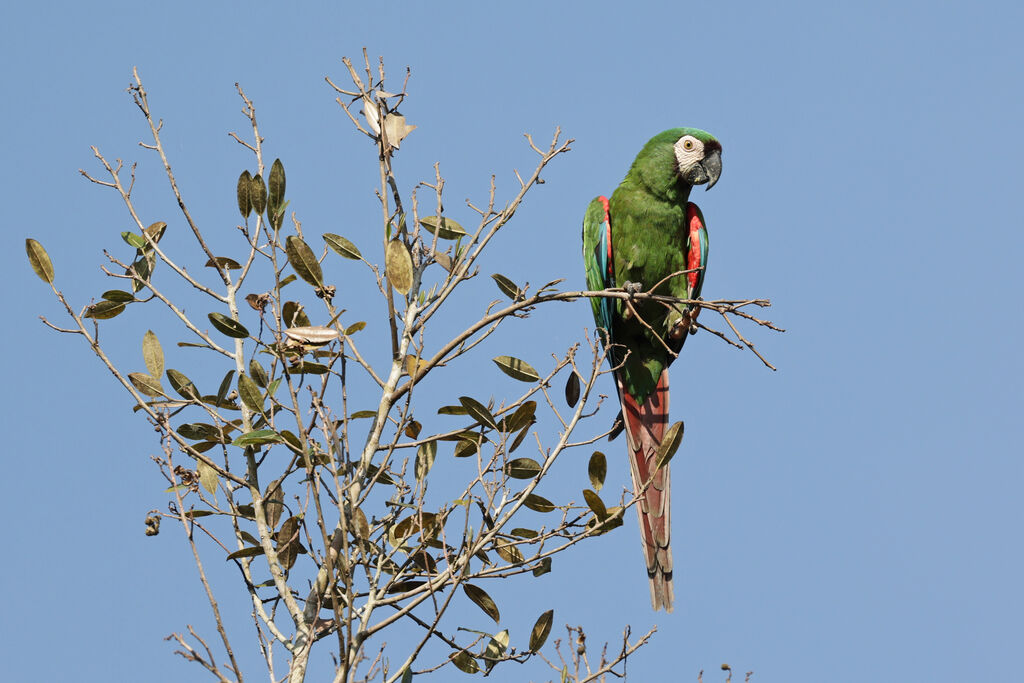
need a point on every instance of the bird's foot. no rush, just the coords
(632, 288)
(687, 324)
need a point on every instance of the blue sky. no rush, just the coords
(854, 516)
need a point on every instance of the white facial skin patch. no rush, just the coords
(689, 150)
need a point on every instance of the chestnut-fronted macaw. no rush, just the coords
(642, 237)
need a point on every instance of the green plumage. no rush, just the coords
(650, 234)
(650, 240)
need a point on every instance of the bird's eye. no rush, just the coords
(688, 145)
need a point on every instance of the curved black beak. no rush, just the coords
(712, 167)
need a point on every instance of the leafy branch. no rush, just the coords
(338, 529)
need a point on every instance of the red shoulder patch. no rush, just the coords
(693, 256)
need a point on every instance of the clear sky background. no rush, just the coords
(854, 516)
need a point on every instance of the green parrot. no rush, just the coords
(643, 237)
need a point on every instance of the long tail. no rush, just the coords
(645, 428)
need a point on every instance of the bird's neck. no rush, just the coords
(666, 187)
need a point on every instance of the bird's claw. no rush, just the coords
(632, 288)
(687, 324)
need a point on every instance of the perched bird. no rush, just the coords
(642, 238)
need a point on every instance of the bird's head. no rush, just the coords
(675, 160)
(698, 157)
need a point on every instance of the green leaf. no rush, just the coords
(244, 197)
(258, 194)
(246, 552)
(342, 246)
(669, 445)
(273, 503)
(200, 431)
(452, 410)
(222, 403)
(308, 368)
(207, 476)
(117, 295)
(444, 260)
(516, 369)
(524, 533)
(522, 468)
(225, 386)
(39, 260)
(152, 354)
(495, 649)
(150, 386)
(467, 446)
(288, 545)
(422, 558)
(465, 662)
(354, 327)
(104, 310)
(398, 266)
(403, 586)
(360, 527)
(293, 315)
(595, 503)
(258, 374)
(275, 185)
(612, 521)
(250, 394)
(362, 414)
(541, 630)
(224, 262)
(291, 439)
(257, 437)
(543, 568)
(572, 389)
(247, 511)
(374, 473)
(478, 411)
(520, 436)
(507, 287)
(414, 524)
(304, 261)
(538, 503)
(482, 600)
(522, 417)
(226, 325)
(182, 385)
(425, 455)
(597, 468)
(445, 228)
(509, 553)
(155, 232)
(141, 270)
(407, 676)
(133, 240)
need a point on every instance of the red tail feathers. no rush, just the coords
(645, 428)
